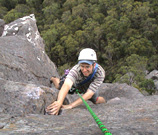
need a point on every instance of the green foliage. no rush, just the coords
(123, 33)
(51, 13)
(141, 46)
(62, 68)
(133, 71)
(148, 85)
(69, 4)
(153, 63)
(19, 11)
(35, 4)
(9, 4)
(3, 11)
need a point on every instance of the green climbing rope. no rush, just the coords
(97, 120)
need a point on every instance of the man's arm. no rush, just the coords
(85, 96)
(55, 106)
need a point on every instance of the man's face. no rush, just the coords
(86, 69)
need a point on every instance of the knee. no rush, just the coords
(55, 81)
(52, 79)
(100, 100)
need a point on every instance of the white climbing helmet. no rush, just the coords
(87, 55)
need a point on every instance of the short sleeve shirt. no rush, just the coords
(77, 77)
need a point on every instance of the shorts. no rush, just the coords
(94, 97)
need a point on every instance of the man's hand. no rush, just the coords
(54, 108)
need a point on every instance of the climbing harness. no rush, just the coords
(97, 120)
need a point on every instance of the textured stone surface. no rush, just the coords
(124, 117)
(154, 76)
(1, 26)
(109, 91)
(20, 99)
(22, 112)
(22, 54)
(25, 70)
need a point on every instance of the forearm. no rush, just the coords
(86, 96)
(64, 91)
(55, 106)
(62, 94)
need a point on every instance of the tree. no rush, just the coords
(139, 45)
(153, 63)
(19, 11)
(51, 13)
(3, 11)
(147, 85)
(36, 4)
(133, 71)
(69, 4)
(9, 4)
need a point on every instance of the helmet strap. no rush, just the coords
(94, 64)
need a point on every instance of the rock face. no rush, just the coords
(25, 92)
(1, 26)
(111, 91)
(154, 76)
(20, 99)
(22, 54)
(121, 116)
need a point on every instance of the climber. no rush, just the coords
(87, 76)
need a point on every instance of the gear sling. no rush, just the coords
(72, 90)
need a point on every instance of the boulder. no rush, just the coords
(1, 26)
(22, 54)
(110, 91)
(20, 99)
(154, 76)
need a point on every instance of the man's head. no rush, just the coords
(87, 59)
